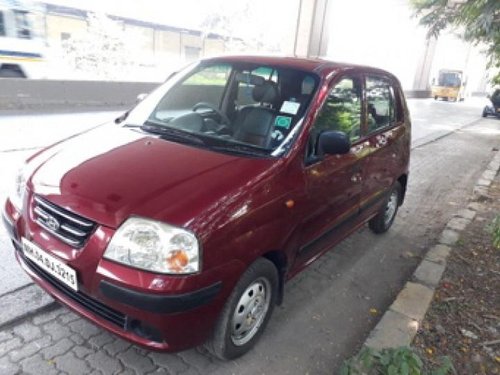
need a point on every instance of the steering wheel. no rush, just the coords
(223, 117)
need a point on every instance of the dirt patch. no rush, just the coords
(463, 321)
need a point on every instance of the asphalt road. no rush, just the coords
(326, 313)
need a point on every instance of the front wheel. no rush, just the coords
(387, 213)
(246, 312)
(11, 73)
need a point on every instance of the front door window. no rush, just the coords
(342, 109)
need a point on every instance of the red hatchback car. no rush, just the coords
(180, 223)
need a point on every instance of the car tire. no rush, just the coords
(485, 112)
(11, 73)
(246, 312)
(436, 97)
(385, 216)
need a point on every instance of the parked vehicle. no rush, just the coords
(180, 223)
(21, 51)
(494, 108)
(450, 85)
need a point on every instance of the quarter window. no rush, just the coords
(380, 103)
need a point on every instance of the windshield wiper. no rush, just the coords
(234, 148)
(210, 143)
(172, 133)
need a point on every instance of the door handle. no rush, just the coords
(381, 140)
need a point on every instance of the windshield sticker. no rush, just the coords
(290, 107)
(283, 122)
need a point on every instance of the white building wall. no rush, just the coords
(385, 34)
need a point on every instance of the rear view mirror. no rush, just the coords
(334, 143)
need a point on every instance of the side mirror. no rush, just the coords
(334, 143)
(140, 97)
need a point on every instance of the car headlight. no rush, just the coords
(18, 191)
(154, 246)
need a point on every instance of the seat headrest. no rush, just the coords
(266, 93)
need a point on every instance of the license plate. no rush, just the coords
(50, 264)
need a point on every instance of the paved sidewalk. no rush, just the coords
(404, 317)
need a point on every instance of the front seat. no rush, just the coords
(254, 124)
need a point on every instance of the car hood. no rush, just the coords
(112, 173)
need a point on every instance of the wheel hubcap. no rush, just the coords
(390, 208)
(250, 311)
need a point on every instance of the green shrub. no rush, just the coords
(495, 231)
(397, 361)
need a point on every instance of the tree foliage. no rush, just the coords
(477, 20)
(101, 51)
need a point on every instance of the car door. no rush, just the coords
(333, 182)
(385, 133)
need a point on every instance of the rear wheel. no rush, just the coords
(246, 312)
(387, 213)
(485, 112)
(11, 73)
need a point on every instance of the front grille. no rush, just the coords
(87, 302)
(68, 227)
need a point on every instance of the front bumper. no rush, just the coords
(168, 321)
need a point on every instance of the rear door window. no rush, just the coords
(380, 103)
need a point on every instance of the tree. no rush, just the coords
(244, 25)
(101, 51)
(478, 21)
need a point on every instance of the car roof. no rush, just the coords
(320, 66)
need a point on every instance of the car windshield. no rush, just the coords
(243, 108)
(449, 79)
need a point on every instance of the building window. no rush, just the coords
(65, 36)
(192, 53)
(2, 25)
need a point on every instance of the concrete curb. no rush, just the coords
(400, 322)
